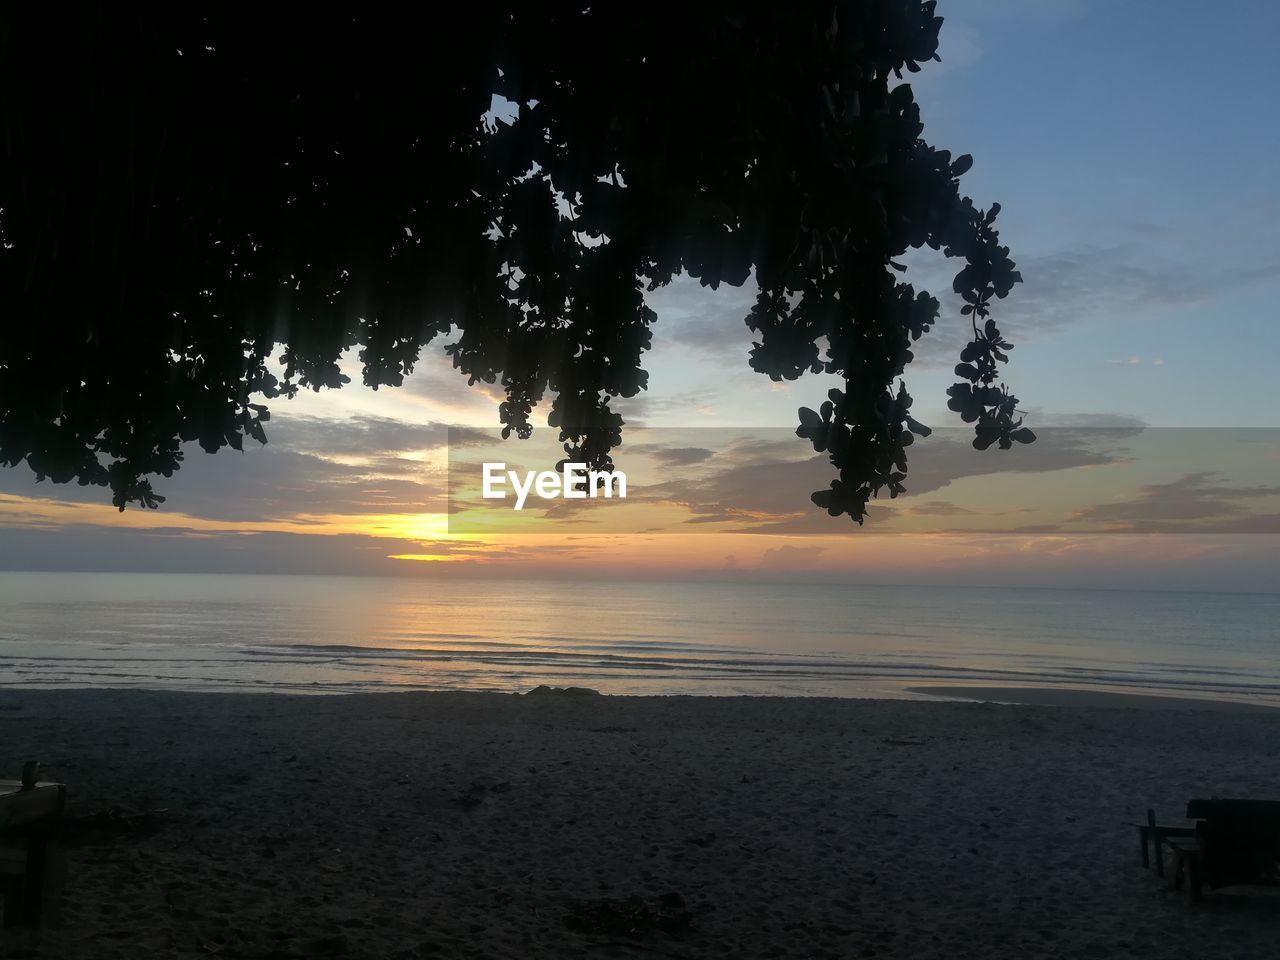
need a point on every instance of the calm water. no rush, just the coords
(336, 634)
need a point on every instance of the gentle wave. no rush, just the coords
(316, 635)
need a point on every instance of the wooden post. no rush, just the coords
(1156, 842)
(1193, 877)
(30, 862)
(28, 900)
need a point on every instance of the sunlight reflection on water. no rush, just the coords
(342, 634)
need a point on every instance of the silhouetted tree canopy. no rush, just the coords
(192, 189)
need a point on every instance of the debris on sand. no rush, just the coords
(631, 917)
(107, 826)
(542, 690)
(474, 795)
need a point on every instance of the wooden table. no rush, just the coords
(1152, 836)
(30, 818)
(1234, 843)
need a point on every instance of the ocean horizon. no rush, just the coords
(333, 634)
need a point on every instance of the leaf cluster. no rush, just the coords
(203, 207)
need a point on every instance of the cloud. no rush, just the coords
(436, 380)
(937, 508)
(1062, 288)
(89, 547)
(1044, 419)
(673, 456)
(746, 488)
(100, 547)
(358, 435)
(1195, 501)
(948, 455)
(265, 483)
(309, 466)
(638, 410)
(1069, 287)
(761, 482)
(791, 558)
(713, 321)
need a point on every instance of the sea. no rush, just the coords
(333, 635)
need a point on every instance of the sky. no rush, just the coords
(1132, 148)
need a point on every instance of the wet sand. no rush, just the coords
(1067, 697)
(490, 825)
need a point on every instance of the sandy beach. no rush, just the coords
(488, 825)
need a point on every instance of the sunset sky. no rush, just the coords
(1132, 147)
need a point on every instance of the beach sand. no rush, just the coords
(491, 825)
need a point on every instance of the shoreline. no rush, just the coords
(1075, 697)
(511, 576)
(904, 692)
(457, 824)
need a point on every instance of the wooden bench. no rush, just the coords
(1151, 837)
(1188, 870)
(1234, 842)
(30, 868)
